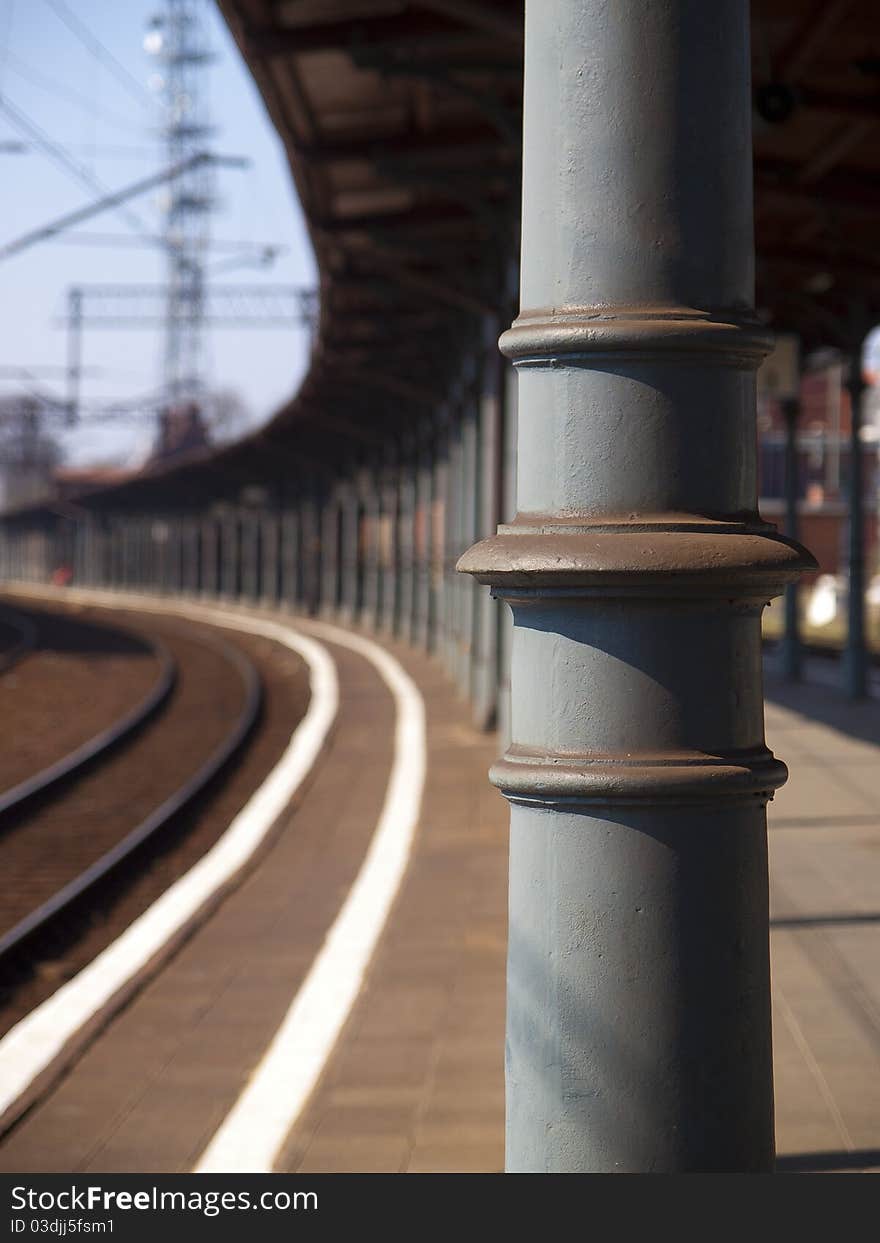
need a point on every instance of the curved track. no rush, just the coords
(51, 1032)
(64, 893)
(72, 825)
(25, 793)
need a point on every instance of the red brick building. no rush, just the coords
(823, 465)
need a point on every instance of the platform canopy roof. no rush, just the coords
(401, 120)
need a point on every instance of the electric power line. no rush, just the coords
(6, 36)
(60, 156)
(62, 91)
(102, 54)
(112, 200)
(252, 249)
(112, 150)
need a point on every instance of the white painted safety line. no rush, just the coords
(38, 1043)
(250, 1138)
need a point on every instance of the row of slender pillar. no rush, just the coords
(374, 543)
(855, 662)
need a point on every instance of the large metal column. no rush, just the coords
(136, 573)
(151, 554)
(350, 552)
(390, 543)
(469, 530)
(125, 549)
(855, 660)
(638, 1031)
(330, 552)
(291, 558)
(406, 539)
(791, 642)
(270, 543)
(210, 576)
(310, 547)
(440, 554)
(424, 537)
(452, 541)
(372, 499)
(192, 556)
(249, 554)
(90, 576)
(174, 523)
(484, 684)
(508, 513)
(114, 530)
(230, 536)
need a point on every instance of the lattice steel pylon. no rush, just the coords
(178, 39)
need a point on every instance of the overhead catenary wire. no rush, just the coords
(102, 54)
(6, 36)
(112, 200)
(62, 90)
(224, 245)
(60, 156)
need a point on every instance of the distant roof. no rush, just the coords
(92, 474)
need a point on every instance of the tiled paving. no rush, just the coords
(825, 938)
(416, 1080)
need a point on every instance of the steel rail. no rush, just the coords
(63, 899)
(17, 797)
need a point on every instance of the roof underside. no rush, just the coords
(401, 120)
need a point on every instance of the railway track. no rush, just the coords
(24, 794)
(83, 823)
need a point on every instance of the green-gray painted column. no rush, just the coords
(638, 1022)
(210, 577)
(125, 538)
(291, 557)
(390, 536)
(372, 502)
(440, 571)
(452, 594)
(250, 554)
(791, 641)
(136, 553)
(310, 546)
(190, 573)
(468, 532)
(114, 552)
(484, 679)
(855, 658)
(406, 539)
(230, 540)
(508, 513)
(88, 552)
(424, 558)
(270, 543)
(351, 570)
(330, 551)
(173, 581)
(121, 541)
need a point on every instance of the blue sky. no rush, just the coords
(50, 76)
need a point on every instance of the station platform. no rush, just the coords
(825, 922)
(415, 1080)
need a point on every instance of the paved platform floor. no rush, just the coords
(825, 925)
(415, 1082)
